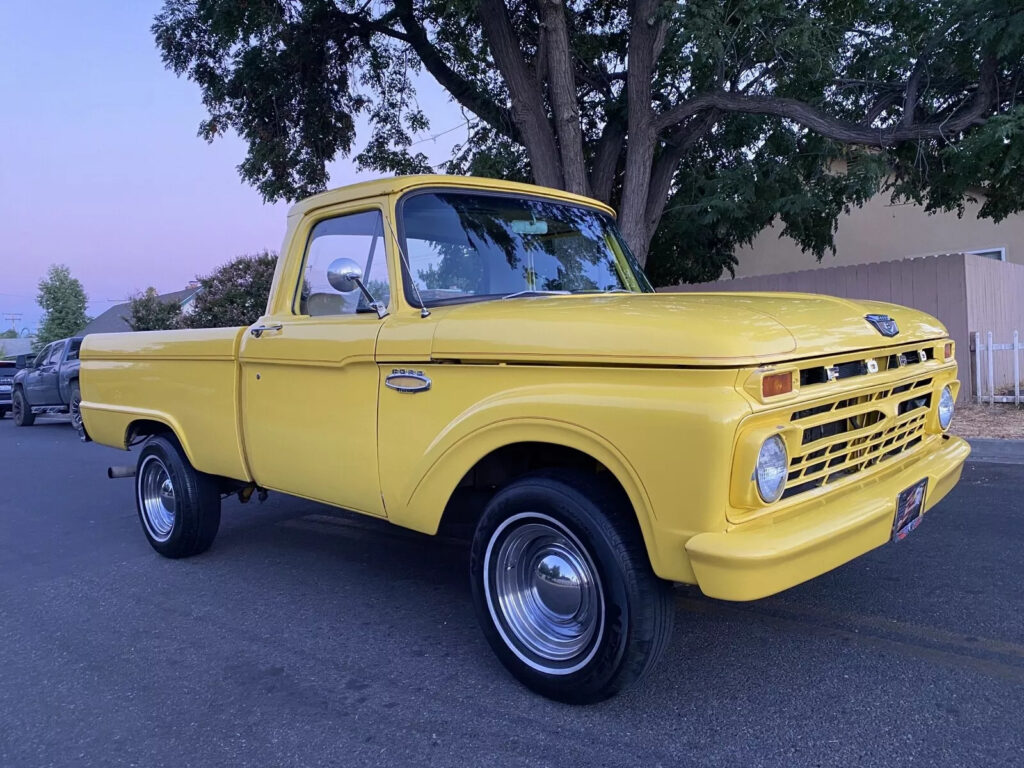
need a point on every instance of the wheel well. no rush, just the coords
(143, 428)
(503, 465)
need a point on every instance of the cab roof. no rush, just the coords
(396, 185)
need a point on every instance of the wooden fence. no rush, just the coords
(985, 368)
(967, 293)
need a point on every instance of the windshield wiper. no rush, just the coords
(530, 292)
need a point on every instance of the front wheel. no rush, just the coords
(178, 506)
(564, 590)
(23, 416)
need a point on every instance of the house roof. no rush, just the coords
(115, 319)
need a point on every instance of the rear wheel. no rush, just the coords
(3, 411)
(564, 590)
(23, 415)
(179, 507)
(76, 406)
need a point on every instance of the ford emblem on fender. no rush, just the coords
(404, 380)
(884, 324)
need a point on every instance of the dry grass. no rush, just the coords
(1002, 420)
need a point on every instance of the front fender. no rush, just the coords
(666, 435)
(450, 462)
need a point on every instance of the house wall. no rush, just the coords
(880, 231)
(934, 284)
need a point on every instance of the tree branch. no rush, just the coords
(912, 92)
(835, 128)
(667, 163)
(461, 89)
(881, 104)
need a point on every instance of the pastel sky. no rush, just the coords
(100, 165)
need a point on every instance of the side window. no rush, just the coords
(55, 352)
(355, 236)
(41, 357)
(73, 351)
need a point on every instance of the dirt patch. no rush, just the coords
(1003, 420)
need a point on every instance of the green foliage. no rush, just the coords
(10, 333)
(883, 80)
(148, 312)
(234, 294)
(62, 300)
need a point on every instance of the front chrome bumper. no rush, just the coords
(759, 559)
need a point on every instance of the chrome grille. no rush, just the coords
(852, 433)
(6, 381)
(864, 365)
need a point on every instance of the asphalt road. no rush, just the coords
(309, 637)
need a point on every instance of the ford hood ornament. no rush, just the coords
(884, 324)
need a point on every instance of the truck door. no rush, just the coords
(308, 375)
(41, 382)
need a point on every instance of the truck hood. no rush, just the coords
(675, 329)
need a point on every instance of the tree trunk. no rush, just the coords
(562, 90)
(606, 159)
(528, 111)
(646, 37)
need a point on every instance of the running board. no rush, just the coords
(44, 410)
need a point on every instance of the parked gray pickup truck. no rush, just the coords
(48, 384)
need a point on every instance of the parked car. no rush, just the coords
(7, 370)
(441, 350)
(48, 384)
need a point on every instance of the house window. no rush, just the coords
(999, 254)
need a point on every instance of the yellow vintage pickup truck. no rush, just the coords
(444, 350)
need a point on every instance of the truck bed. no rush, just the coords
(187, 380)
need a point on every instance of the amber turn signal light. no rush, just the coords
(776, 384)
(947, 353)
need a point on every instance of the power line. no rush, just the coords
(439, 135)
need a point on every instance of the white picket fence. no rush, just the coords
(985, 368)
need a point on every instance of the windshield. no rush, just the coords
(468, 246)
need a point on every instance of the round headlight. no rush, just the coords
(772, 468)
(945, 407)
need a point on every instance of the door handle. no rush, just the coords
(257, 330)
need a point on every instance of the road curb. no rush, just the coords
(990, 450)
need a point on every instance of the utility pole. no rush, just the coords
(13, 318)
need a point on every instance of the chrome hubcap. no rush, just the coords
(543, 593)
(156, 498)
(76, 414)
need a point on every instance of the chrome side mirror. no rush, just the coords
(344, 275)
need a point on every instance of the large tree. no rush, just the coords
(700, 120)
(62, 300)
